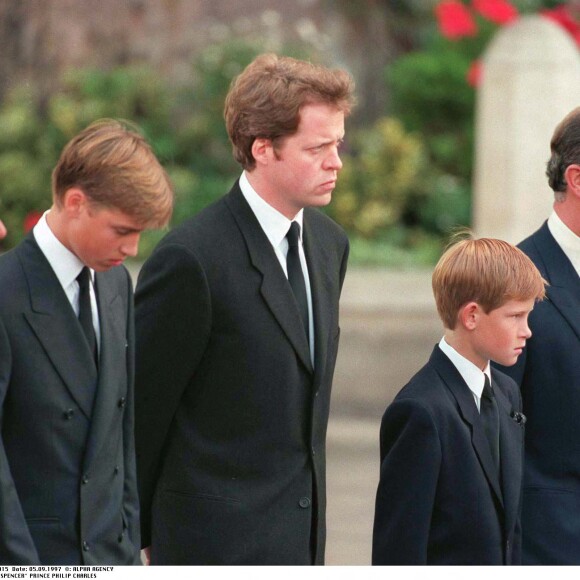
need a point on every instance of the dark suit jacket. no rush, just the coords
(440, 499)
(68, 492)
(231, 416)
(548, 372)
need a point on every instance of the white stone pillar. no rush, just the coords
(531, 80)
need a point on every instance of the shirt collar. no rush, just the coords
(65, 264)
(566, 239)
(274, 224)
(473, 376)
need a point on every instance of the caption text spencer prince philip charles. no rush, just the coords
(52, 572)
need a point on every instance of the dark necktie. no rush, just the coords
(490, 418)
(85, 311)
(295, 274)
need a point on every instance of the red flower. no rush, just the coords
(475, 73)
(455, 20)
(498, 11)
(561, 15)
(31, 220)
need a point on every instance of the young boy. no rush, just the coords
(68, 489)
(452, 440)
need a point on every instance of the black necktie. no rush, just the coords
(490, 418)
(85, 311)
(295, 274)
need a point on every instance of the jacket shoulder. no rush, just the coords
(425, 386)
(13, 282)
(507, 385)
(529, 246)
(207, 223)
(322, 222)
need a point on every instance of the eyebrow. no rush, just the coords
(129, 229)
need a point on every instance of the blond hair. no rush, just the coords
(115, 167)
(487, 271)
(264, 101)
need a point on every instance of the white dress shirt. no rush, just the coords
(566, 239)
(276, 226)
(67, 267)
(474, 377)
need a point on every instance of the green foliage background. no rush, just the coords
(406, 180)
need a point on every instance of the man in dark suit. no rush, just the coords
(452, 440)
(549, 369)
(237, 335)
(68, 490)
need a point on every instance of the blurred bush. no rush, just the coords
(403, 182)
(36, 129)
(380, 173)
(184, 126)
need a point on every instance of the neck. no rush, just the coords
(463, 347)
(55, 221)
(262, 187)
(569, 212)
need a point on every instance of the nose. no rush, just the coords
(130, 246)
(527, 333)
(333, 161)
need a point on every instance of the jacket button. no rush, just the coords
(68, 414)
(121, 402)
(86, 546)
(85, 480)
(116, 470)
(304, 502)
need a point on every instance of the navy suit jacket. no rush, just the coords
(440, 499)
(231, 413)
(68, 489)
(548, 372)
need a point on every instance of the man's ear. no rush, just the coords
(262, 150)
(469, 315)
(572, 177)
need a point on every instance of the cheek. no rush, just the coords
(102, 243)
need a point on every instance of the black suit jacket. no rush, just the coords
(231, 415)
(548, 372)
(440, 499)
(68, 492)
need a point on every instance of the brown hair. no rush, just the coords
(487, 271)
(264, 101)
(565, 148)
(115, 167)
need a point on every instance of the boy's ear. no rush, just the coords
(469, 315)
(74, 200)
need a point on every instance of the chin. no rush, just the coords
(510, 362)
(321, 201)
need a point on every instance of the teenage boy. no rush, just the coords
(68, 490)
(452, 440)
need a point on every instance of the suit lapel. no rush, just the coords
(564, 288)
(112, 362)
(54, 323)
(321, 288)
(275, 288)
(468, 410)
(511, 453)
